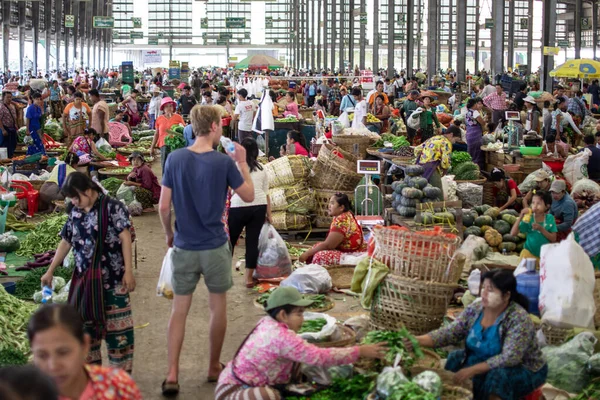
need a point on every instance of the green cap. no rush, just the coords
(284, 296)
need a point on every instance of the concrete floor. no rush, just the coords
(150, 362)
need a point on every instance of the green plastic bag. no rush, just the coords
(368, 274)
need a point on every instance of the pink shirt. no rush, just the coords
(268, 355)
(291, 109)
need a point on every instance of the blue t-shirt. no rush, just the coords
(188, 135)
(34, 115)
(199, 183)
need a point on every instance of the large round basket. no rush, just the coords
(456, 393)
(554, 335)
(125, 150)
(285, 221)
(416, 255)
(288, 170)
(343, 337)
(376, 153)
(115, 172)
(322, 196)
(417, 305)
(341, 275)
(431, 359)
(335, 170)
(354, 144)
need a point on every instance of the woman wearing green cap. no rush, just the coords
(266, 357)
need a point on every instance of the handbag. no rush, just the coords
(412, 122)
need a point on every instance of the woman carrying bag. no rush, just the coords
(98, 231)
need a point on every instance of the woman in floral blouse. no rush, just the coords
(267, 355)
(502, 354)
(103, 276)
(59, 346)
(345, 235)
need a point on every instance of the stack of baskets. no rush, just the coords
(356, 145)
(291, 199)
(424, 272)
(334, 172)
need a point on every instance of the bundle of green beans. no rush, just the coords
(44, 237)
(14, 316)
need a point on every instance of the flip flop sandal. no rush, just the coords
(170, 388)
(214, 379)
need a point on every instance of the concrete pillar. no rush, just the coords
(477, 6)
(390, 38)
(511, 41)
(48, 26)
(89, 30)
(363, 36)
(333, 29)
(450, 34)
(578, 16)
(326, 15)
(548, 39)
(595, 27)
(432, 38)
(375, 37)
(311, 35)
(99, 36)
(296, 33)
(82, 20)
(497, 62)
(461, 40)
(319, 30)
(342, 35)
(418, 35)
(21, 33)
(410, 37)
(66, 11)
(530, 37)
(57, 33)
(35, 34)
(351, 28)
(438, 42)
(302, 35)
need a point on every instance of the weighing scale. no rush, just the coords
(366, 219)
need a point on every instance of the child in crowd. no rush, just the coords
(267, 355)
(538, 224)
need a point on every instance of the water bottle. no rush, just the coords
(228, 144)
(46, 294)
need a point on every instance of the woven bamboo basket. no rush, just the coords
(450, 392)
(284, 221)
(354, 144)
(296, 198)
(488, 193)
(376, 153)
(554, 335)
(322, 196)
(417, 305)
(288, 170)
(343, 337)
(335, 169)
(414, 255)
(341, 275)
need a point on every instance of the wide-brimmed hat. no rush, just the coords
(541, 176)
(165, 101)
(136, 154)
(529, 99)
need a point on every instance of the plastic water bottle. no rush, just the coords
(228, 144)
(46, 294)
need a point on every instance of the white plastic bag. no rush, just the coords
(474, 281)
(575, 167)
(273, 257)
(449, 187)
(325, 332)
(135, 208)
(390, 379)
(567, 285)
(164, 287)
(344, 120)
(414, 121)
(103, 144)
(311, 279)
(125, 193)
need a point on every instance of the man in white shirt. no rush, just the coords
(488, 89)
(360, 111)
(244, 113)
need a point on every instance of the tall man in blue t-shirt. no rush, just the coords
(195, 181)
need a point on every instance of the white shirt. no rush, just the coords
(154, 106)
(489, 89)
(245, 109)
(371, 93)
(261, 190)
(360, 111)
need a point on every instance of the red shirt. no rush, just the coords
(510, 184)
(300, 151)
(149, 181)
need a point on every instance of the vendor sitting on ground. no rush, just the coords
(542, 182)
(345, 235)
(85, 147)
(553, 149)
(505, 190)
(564, 209)
(537, 224)
(266, 357)
(147, 189)
(502, 354)
(434, 156)
(50, 190)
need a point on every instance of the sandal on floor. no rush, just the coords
(253, 284)
(214, 379)
(170, 388)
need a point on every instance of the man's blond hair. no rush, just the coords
(202, 118)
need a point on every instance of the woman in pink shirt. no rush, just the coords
(265, 359)
(296, 144)
(291, 109)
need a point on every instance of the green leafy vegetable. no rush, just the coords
(10, 357)
(411, 391)
(175, 141)
(112, 185)
(397, 141)
(313, 325)
(395, 341)
(459, 157)
(356, 388)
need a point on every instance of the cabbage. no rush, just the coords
(60, 298)
(430, 382)
(37, 297)
(66, 288)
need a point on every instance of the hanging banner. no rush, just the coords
(137, 22)
(104, 22)
(152, 56)
(69, 21)
(551, 51)
(204, 23)
(174, 70)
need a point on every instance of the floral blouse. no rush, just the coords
(346, 224)
(81, 232)
(519, 344)
(269, 354)
(438, 148)
(108, 384)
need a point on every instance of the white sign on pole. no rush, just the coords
(152, 56)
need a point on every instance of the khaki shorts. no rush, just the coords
(190, 265)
